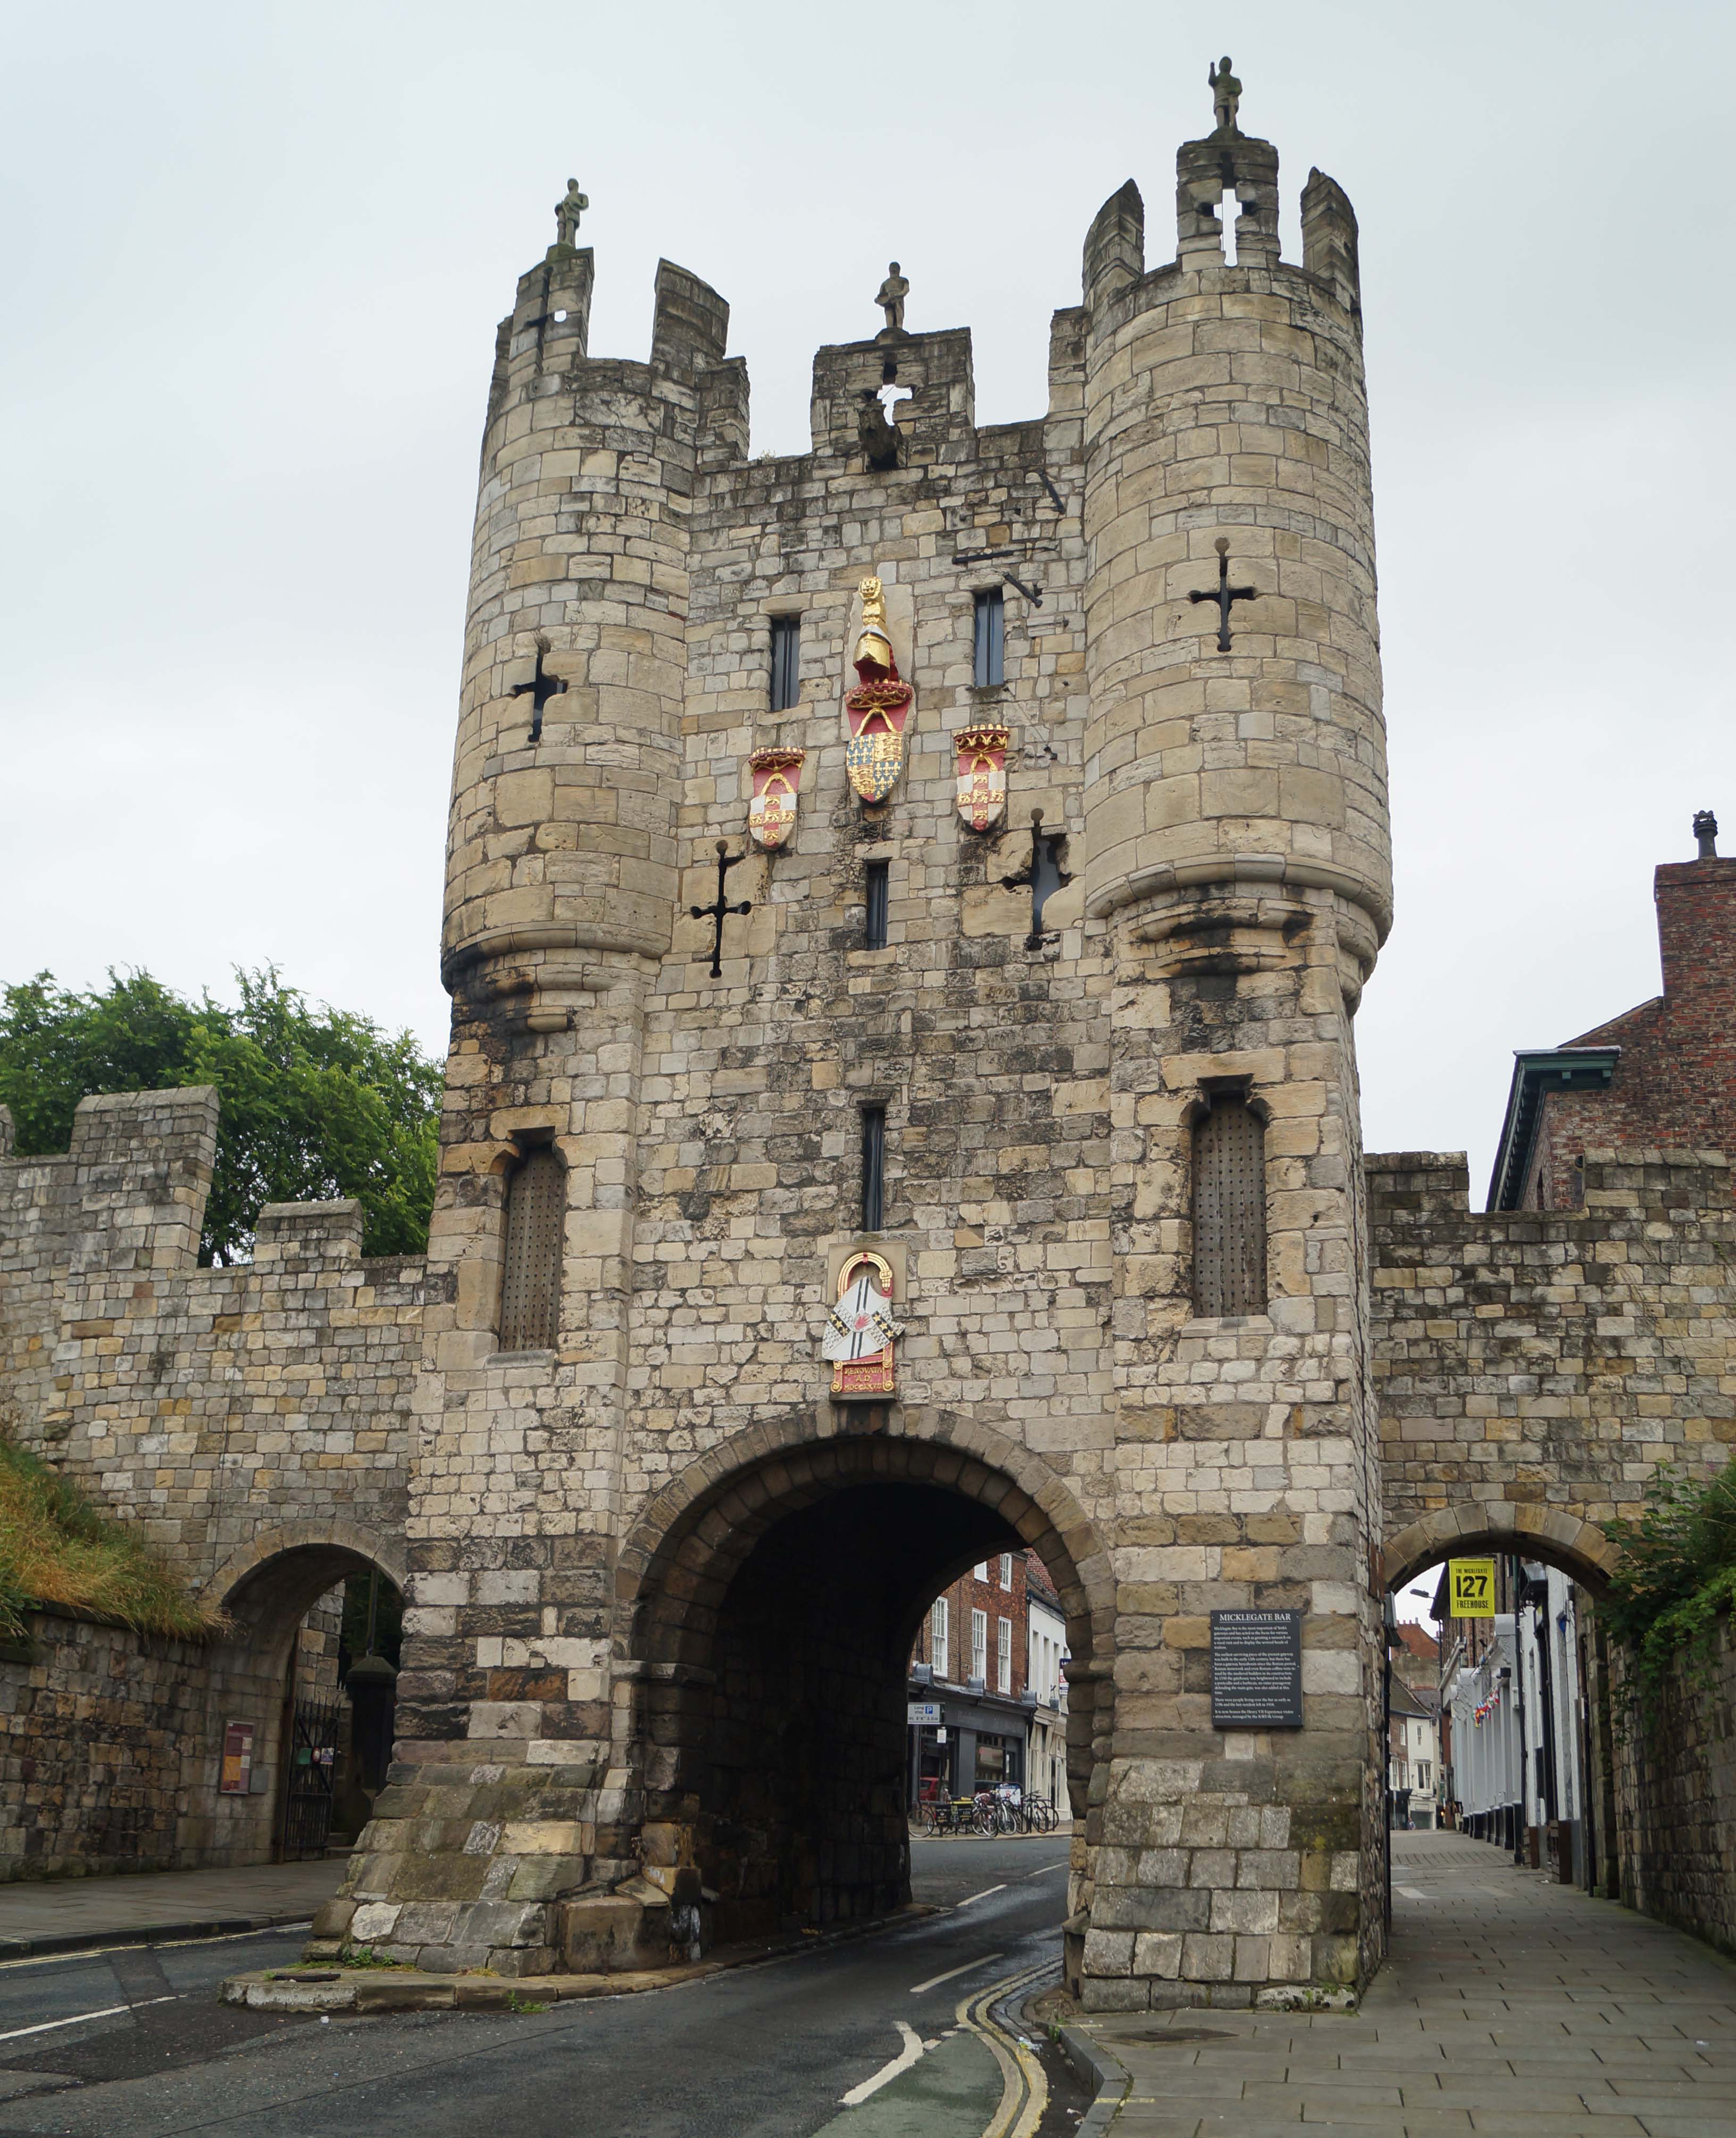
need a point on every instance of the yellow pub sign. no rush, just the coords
(1470, 1587)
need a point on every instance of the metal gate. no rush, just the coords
(313, 1759)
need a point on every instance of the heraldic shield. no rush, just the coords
(860, 1330)
(877, 708)
(981, 753)
(771, 811)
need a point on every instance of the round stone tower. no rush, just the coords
(1236, 847)
(562, 875)
(561, 841)
(1234, 742)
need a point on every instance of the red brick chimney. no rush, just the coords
(1696, 903)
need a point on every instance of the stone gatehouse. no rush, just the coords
(907, 901)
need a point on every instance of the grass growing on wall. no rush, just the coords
(58, 1546)
(1677, 1576)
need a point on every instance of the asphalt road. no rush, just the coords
(762, 2051)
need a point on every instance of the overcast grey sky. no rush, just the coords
(256, 256)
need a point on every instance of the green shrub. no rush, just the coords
(1677, 1578)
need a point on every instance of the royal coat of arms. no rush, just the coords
(860, 1330)
(981, 775)
(877, 708)
(771, 811)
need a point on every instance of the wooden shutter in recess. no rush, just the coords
(1229, 1210)
(530, 1291)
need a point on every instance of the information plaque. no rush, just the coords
(1256, 1669)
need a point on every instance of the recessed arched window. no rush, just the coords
(530, 1287)
(1229, 1208)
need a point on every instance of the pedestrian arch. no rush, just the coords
(1578, 1547)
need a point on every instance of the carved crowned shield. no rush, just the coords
(860, 1330)
(877, 708)
(772, 811)
(981, 753)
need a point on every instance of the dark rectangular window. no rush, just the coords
(989, 664)
(878, 897)
(786, 662)
(874, 1169)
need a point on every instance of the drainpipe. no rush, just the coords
(1515, 1577)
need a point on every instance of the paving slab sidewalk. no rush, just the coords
(60, 1914)
(1511, 2006)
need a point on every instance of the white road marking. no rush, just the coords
(1045, 1870)
(78, 2018)
(1415, 1893)
(156, 1944)
(907, 2056)
(935, 1981)
(984, 1894)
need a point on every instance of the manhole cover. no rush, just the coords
(1171, 2038)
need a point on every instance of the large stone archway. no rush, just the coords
(766, 1602)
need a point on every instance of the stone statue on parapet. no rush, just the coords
(1226, 96)
(567, 209)
(891, 298)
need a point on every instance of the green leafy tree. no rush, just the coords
(316, 1102)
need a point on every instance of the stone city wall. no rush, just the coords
(252, 1422)
(1546, 1363)
(1675, 1793)
(95, 1720)
(211, 1406)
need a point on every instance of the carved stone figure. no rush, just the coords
(1226, 96)
(568, 210)
(893, 292)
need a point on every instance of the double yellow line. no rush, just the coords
(1024, 2090)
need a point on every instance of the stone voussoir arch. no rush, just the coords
(335, 1538)
(701, 1525)
(1578, 1547)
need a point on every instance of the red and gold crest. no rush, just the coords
(982, 775)
(877, 708)
(771, 811)
(860, 1330)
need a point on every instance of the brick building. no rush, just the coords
(1661, 1076)
(1413, 1736)
(969, 1667)
(987, 1698)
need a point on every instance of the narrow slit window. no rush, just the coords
(1229, 1209)
(786, 662)
(877, 904)
(530, 1288)
(874, 1169)
(989, 662)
